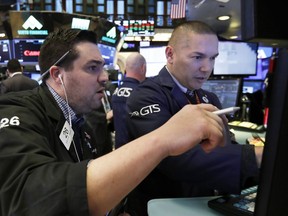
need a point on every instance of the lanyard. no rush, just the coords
(191, 99)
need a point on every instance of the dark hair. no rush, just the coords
(14, 65)
(190, 26)
(58, 43)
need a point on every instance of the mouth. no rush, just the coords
(101, 92)
(201, 78)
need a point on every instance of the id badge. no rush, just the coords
(66, 135)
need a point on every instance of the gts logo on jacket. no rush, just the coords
(154, 108)
(123, 92)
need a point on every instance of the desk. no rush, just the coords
(196, 206)
(181, 207)
(241, 136)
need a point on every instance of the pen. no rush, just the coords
(226, 110)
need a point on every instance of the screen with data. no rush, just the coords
(27, 50)
(228, 90)
(108, 53)
(236, 58)
(5, 52)
(155, 58)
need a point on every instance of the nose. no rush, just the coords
(103, 77)
(207, 65)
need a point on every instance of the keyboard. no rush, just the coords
(246, 126)
(236, 205)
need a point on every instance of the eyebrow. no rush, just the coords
(98, 62)
(203, 54)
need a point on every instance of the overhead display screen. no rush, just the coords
(108, 53)
(137, 27)
(38, 24)
(5, 52)
(27, 50)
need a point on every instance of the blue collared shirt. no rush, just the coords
(64, 106)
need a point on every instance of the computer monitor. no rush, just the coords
(33, 75)
(155, 59)
(236, 58)
(27, 50)
(263, 61)
(36, 76)
(251, 86)
(228, 90)
(108, 53)
(273, 187)
(137, 27)
(5, 52)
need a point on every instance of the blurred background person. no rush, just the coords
(16, 80)
(135, 72)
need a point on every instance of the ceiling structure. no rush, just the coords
(247, 22)
(209, 10)
(240, 26)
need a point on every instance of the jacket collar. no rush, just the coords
(15, 73)
(51, 105)
(167, 81)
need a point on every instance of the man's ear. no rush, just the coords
(169, 54)
(55, 73)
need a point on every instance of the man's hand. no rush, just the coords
(192, 125)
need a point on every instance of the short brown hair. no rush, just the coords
(14, 65)
(190, 26)
(59, 42)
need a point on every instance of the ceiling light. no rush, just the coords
(224, 1)
(223, 18)
(233, 37)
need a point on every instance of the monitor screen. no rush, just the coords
(272, 190)
(108, 53)
(137, 27)
(155, 59)
(33, 75)
(79, 23)
(5, 52)
(130, 46)
(251, 86)
(27, 50)
(236, 58)
(38, 24)
(263, 61)
(228, 90)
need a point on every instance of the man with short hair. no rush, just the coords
(16, 80)
(190, 53)
(135, 72)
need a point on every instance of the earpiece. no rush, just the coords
(60, 77)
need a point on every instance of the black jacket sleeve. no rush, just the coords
(38, 176)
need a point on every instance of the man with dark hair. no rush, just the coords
(16, 80)
(49, 165)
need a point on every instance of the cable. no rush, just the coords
(69, 115)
